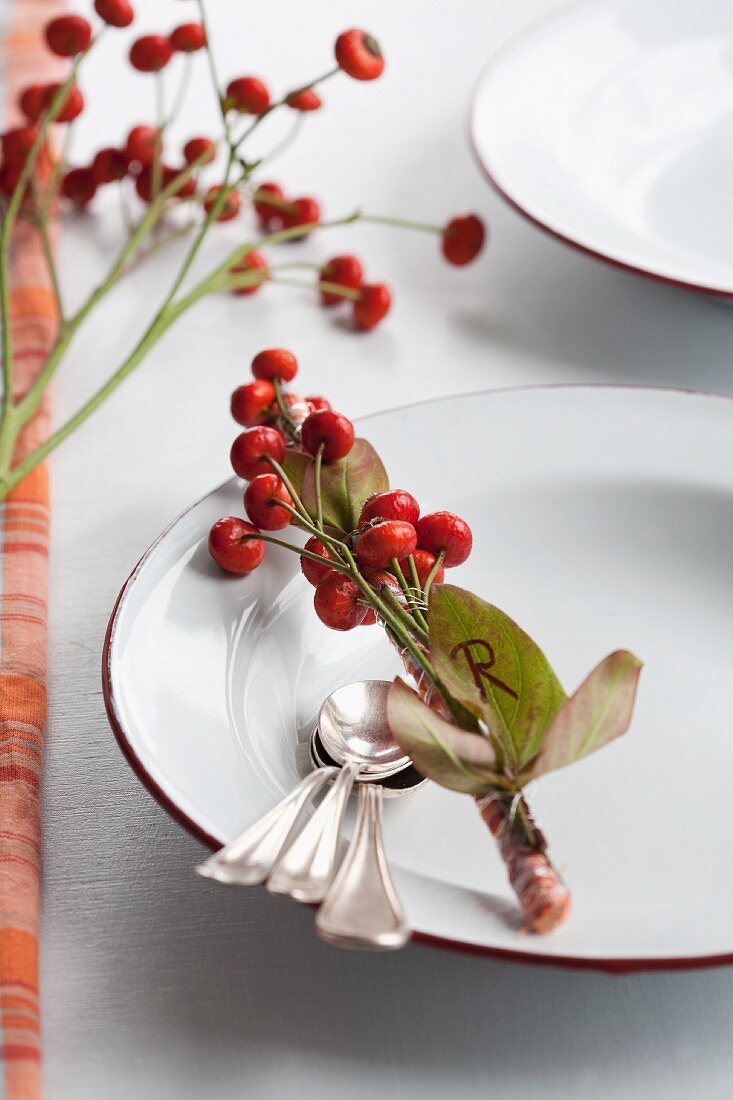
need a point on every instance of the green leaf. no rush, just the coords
(494, 669)
(345, 485)
(458, 760)
(598, 712)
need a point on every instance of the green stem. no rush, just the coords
(213, 72)
(281, 103)
(402, 223)
(401, 633)
(294, 495)
(321, 284)
(409, 596)
(413, 574)
(180, 95)
(168, 313)
(433, 573)
(317, 485)
(43, 234)
(290, 426)
(340, 568)
(6, 230)
(409, 623)
(29, 403)
(159, 124)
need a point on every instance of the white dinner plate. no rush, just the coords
(610, 124)
(603, 518)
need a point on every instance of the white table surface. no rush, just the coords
(158, 985)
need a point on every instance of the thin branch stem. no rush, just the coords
(321, 284)
(298, 550)
(409, 595)
(43, 234)
(317, 486)
(213, 72)
(433, 573)
(402, 223)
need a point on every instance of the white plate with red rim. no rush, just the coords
(609, 124)
(602, 518)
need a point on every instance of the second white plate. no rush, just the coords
(610, 125)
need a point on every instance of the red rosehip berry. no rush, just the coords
(378, 545)
(32, 101)
(344, 270)
(78, 185)
(188, 38)
(251, 261)
(250, 450)
(118, 13)
(275, 363)
(316, 403)
(151, 53)
(200, 149)
(302, 211)
(72, 106)
(334, 431)
(312, 570)
(262, 500)
(337, 602)
(463, 239)
(109, 165)
(141, 144)
(372, 307)
(392, 504)
(17, 144)
(248, 95)
(424, 562)
(249, 402)
(359, 55)
(305, 100)
(444, 532)
(232, 546)
(263, 207)
(230, 206)
(298, 409)
(68, 35)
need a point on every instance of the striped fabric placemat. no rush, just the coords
(24, 519)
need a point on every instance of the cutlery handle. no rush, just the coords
(248, 859)
(305, 869)
(362, 908)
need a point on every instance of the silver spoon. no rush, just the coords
(361, 908)
(349, 722)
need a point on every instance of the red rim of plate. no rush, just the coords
(614, 965)
(533, 219)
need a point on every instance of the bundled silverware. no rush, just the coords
(351, 747)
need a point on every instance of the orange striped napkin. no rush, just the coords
(24, 517)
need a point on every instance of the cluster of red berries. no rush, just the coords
(141, 157)
(391, 537)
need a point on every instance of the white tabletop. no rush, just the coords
(157, 985)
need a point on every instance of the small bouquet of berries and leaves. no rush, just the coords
(484, 713)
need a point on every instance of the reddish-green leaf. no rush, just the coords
(598, 712)
(345, 485)
(494, 669)
(462, 761)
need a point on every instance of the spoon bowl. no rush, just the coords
(353, 728)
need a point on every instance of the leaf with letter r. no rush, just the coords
(494, 669)
(455, 759)
(598, 712)
(345, 485)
